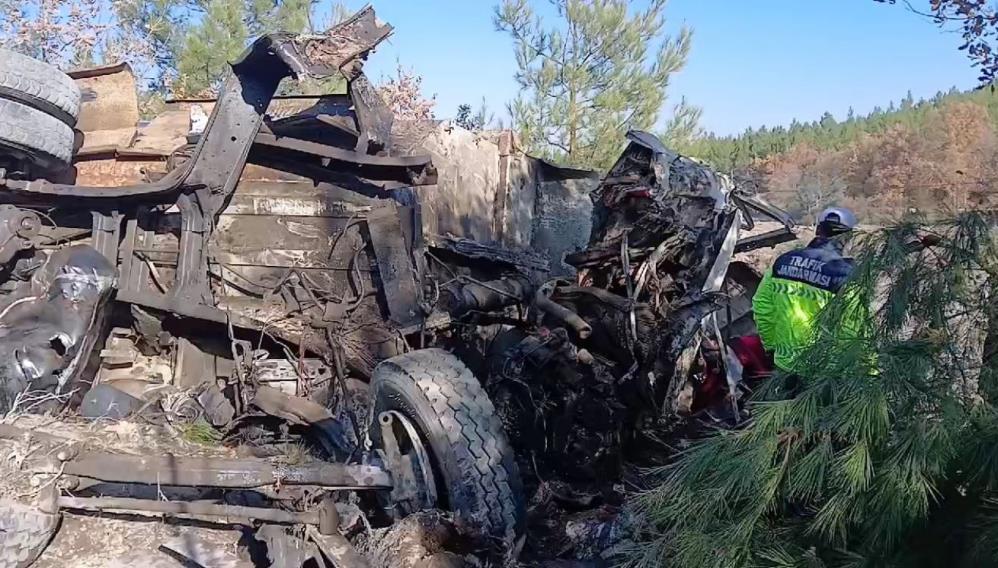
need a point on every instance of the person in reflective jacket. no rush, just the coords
(799, 284)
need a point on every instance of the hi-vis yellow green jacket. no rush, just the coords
(793, 292)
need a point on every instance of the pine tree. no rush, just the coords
(827, 121)
(293, 16)
(220, 36)
(191, 41)
(592, 75)
(884, 453)
(472, 119)
(160, 26)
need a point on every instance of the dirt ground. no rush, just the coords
(95, 542)
(85, 541)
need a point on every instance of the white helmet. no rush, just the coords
(843, 218)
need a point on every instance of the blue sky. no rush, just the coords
(753, 62)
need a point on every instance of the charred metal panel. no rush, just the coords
(133, 263)
(50, 323)
(399, 289)
(270, 228)
(462, 201)
(374, 119)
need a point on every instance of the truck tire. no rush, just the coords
(473, 460)
(24, 533)
(42, 138)
(39, 85)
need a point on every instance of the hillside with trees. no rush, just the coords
(928, 156)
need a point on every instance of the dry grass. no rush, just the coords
(27, 402)
(201, 433)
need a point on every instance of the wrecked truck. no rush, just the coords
(418, 371)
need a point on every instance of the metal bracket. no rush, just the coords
(415, 486)
(106, 234)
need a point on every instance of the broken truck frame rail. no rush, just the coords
(180, 471)
(322, 524)
(91, 469)
(66, 468)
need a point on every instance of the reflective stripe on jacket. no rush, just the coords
(792, 293)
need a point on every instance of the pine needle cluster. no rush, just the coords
(882, 451)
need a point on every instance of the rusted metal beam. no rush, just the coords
(214, 472)
(292, 151)
(340, 154)
(767, 239)
(474, 249)
(173, 305)
(374, 119)
(354, 181)
(187, 509)
(400, 291)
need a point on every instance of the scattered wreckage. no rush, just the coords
(416, 371)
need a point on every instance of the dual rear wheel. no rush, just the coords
(39, 105)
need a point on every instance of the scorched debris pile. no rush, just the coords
(366, 368)
(607, 354)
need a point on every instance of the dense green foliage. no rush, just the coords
(204, 36)
(598, 69)
(884, 452)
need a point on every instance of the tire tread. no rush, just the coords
(475, 433)
(24, 533)
(43, 135)
(44, 87)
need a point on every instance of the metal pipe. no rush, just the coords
(485, 296)
(184, 509)
(563, 314)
